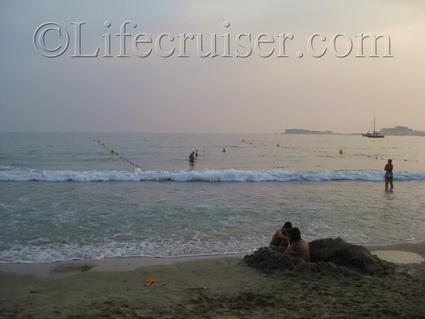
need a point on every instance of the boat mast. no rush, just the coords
(374, 119)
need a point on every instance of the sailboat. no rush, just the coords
(374, 134)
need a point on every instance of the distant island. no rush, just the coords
(401, 131)
(303, 131)
(388, 131)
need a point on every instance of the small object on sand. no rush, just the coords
(72, 268)
(150, 282)
(86, 267)
(198, 288)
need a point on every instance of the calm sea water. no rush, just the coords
(63, 196)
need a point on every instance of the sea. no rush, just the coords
(68, 196)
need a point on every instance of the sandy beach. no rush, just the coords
(211, 287)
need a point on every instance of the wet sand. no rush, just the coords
(209, 287)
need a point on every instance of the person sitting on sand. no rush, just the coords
(297, 246)
(280, 237)
(389, 174)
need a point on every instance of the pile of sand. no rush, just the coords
(327, 256)
(269, 260)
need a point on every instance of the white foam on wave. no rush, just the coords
(154, 247)
(227, 175)
(54, 252)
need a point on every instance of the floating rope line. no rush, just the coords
(115, 153)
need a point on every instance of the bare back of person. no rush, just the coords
(299, 249)
(297, 246)
(389, 175)
(389, 170)
(280, 239)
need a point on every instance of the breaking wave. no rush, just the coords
(227, 175)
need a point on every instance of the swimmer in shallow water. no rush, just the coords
(192, 157)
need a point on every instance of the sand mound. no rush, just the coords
(354, 257)
(327, 256)
(269, 260)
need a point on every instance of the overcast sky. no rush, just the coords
(212, 95)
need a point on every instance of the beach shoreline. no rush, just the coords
(110, 264)
(206, 287)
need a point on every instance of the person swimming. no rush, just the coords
(280, 238)
(192, 157)
(389, 175)
(297, 246)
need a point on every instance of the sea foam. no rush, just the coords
(226, 175)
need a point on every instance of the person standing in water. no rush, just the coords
(389, 175)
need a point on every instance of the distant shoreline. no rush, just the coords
(395, 131)
(349, 134)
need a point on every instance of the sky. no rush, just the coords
(212, 95)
